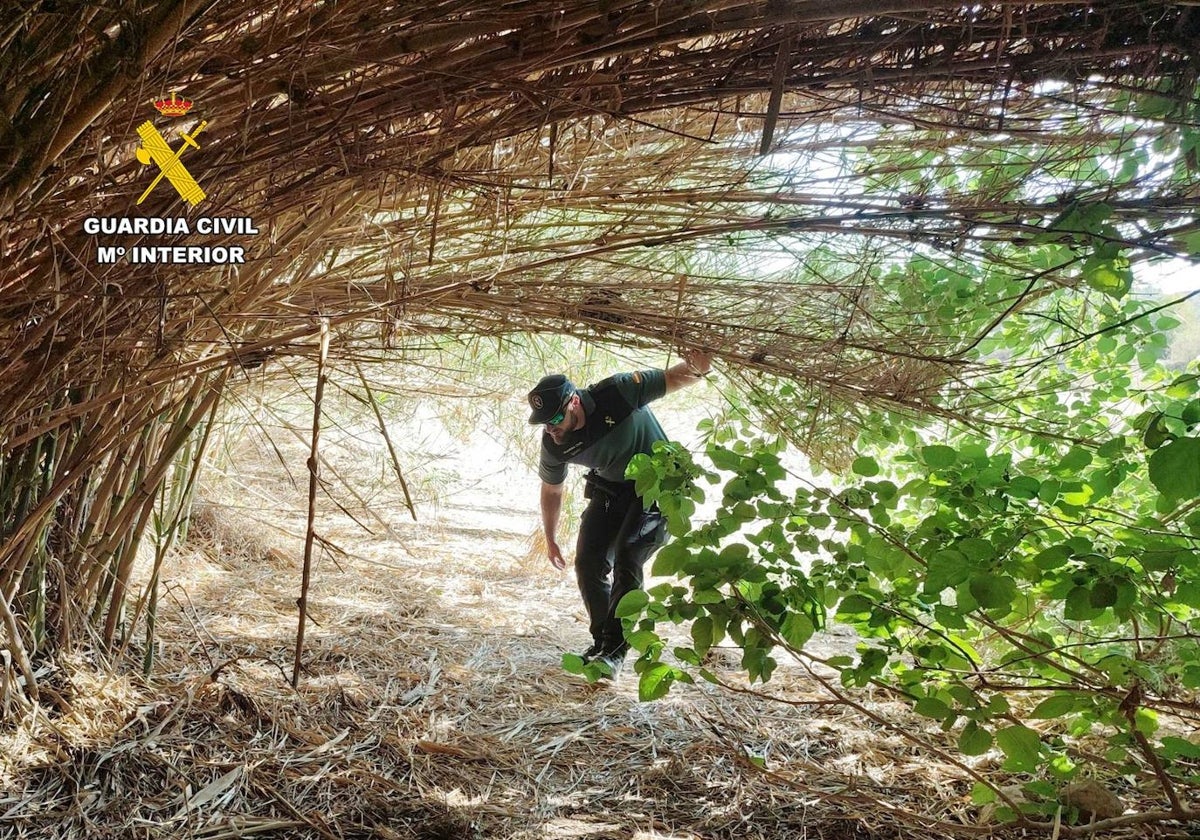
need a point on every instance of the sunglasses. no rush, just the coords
(562, 413)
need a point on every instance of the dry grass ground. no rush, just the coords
(432, 703)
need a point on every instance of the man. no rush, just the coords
(602, 427)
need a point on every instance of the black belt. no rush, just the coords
(595, 485)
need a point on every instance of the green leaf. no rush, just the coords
(931, 707)
(974, 740)
(1040, 791)
(1024, 487)
(1188, 593)
(1127, 596)
(1157, 432)
(1078, 498)
(865, 466)
(796, 630)
(819, 521)
(993, 592)
(981, 794)
(1173, 747)
(1113, 277)
(1078, 606)
(743, 512)
(855, 606)
(1057, 705)
(1075, 460)
(632, 604)
(572, 663)
(1190, 242)
(1183, 386)
(643, 640)
(1079, 545)
(976, 549)
(1048, 492)
(655, 682)
(1119, 669)
(938, 456)
(702, 634)
(735, 554)
(1053, 557)
(1146, 721)
(1103, 594)
(670, 559)
(723, 459)
(946, 568)
(662, 590)
(1062, 767)
(1175, 468)
(1191, 413)
(1021, 746)
(1153, 107)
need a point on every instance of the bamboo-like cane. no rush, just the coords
(370, 396)
(18, 648)
(314, 466)
(189, 462)
(156, 454)
(782, 63)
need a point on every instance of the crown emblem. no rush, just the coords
(173, 107)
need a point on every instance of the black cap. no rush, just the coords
(548, 397)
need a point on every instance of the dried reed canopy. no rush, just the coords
(749, 176)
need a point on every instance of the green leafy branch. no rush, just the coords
(965, 578)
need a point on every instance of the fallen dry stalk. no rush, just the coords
(310, 528)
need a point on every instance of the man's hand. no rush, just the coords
(693, 367)
(556, 557)
(698, 361)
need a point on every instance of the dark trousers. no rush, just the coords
(616, 538)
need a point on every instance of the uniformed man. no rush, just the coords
(602, 427)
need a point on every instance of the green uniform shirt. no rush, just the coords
(607, 444)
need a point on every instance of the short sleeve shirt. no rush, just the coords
(607, 442)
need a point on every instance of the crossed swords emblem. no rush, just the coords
(156, 150)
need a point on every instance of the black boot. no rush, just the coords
(613, 659)
(591, 653)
